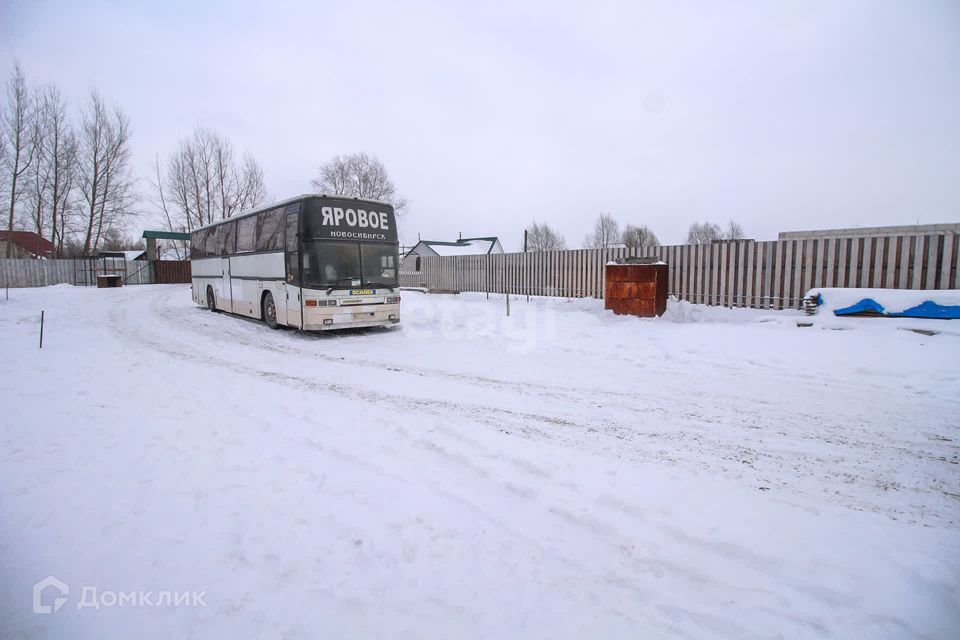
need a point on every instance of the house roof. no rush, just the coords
(462, 247)
(29, 241)
(166, 235)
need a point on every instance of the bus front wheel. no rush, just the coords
(269, 311)
(211, 303)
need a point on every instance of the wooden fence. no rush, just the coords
(744, 273)
(15, 272)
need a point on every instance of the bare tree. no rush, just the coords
(540, 237)
(703, 233)
(639, 237)
(105, 182)
(161, 203)
(251, 189)
(359, 175)
(37, 177)
(53, 173)
(734, 231)
(18, 141)
(606, 233)
(204, 183)
(115, 239)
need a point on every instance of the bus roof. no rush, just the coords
(282, 203)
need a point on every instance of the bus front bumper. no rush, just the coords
(352, 317)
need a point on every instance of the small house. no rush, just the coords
(461, 247)
(25, 244)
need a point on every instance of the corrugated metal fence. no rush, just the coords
(41, 273)
(768, 275)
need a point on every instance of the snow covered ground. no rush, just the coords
(560, 473)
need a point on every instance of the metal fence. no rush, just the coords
(41, 273)
(743, 273)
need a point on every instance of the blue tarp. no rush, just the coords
(927, 309)
(930, 310)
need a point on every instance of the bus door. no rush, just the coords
(226, 289)
(291, 287)
(291, 295)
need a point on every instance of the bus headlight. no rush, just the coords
(393, 299)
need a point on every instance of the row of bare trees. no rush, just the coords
(205, 182)
(607, 234)
(67, 179)
(707, 232)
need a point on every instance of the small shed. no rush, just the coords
(636, 286)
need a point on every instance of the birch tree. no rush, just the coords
(639, 237)
(105, 181)
(358, 175)
(734, 231)
(606, 233)
(541, 237)
(53, 174)
(204, 182)
(703, 233)
(18, 142)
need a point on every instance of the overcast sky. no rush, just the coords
(781, 115)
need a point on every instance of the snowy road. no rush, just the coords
(559, 473)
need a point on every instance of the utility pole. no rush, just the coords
(525, 258)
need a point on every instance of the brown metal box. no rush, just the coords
(109, 280)
(636, 289)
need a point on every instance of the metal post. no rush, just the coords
(41, 328)
(526, 267)
(508, 303)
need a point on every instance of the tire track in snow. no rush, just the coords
(689, 441)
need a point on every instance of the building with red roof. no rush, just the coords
(26, 244)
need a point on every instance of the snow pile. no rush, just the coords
(683, 311)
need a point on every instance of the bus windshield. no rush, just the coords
(349, 264)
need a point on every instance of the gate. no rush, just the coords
(172, 271)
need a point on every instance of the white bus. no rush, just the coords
(314, 262)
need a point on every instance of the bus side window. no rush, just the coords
(210, 242)
(246, 228)
(227, 239)
(270, 230)
(196, 244)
